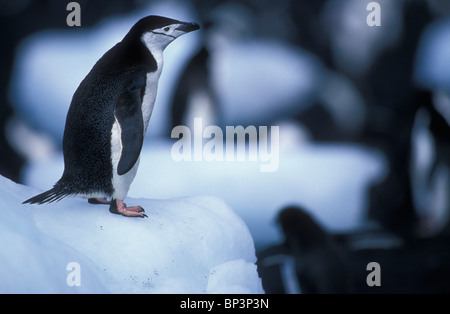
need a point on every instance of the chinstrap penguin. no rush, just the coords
(109, 115)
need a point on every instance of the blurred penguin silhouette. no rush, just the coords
(320, 262)
(194, 95)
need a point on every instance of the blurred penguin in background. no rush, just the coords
(321, 265)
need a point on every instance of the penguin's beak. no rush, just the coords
(188, 27)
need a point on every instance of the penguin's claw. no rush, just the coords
(132, 212)
(136, 209)
(120, 208)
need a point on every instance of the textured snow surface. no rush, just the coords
(187, 245)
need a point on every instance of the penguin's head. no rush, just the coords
(156, 32)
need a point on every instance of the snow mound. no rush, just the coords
(187, 245)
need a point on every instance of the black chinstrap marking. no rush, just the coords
(158, 33)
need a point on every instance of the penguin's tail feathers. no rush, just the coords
(52, 195)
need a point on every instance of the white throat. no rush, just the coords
(156, 44)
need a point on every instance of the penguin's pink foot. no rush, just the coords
(120, 208)
(96, 201)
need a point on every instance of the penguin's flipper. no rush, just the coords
(128, 113)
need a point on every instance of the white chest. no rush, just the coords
(151, 88)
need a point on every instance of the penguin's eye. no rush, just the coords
(166, 29)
